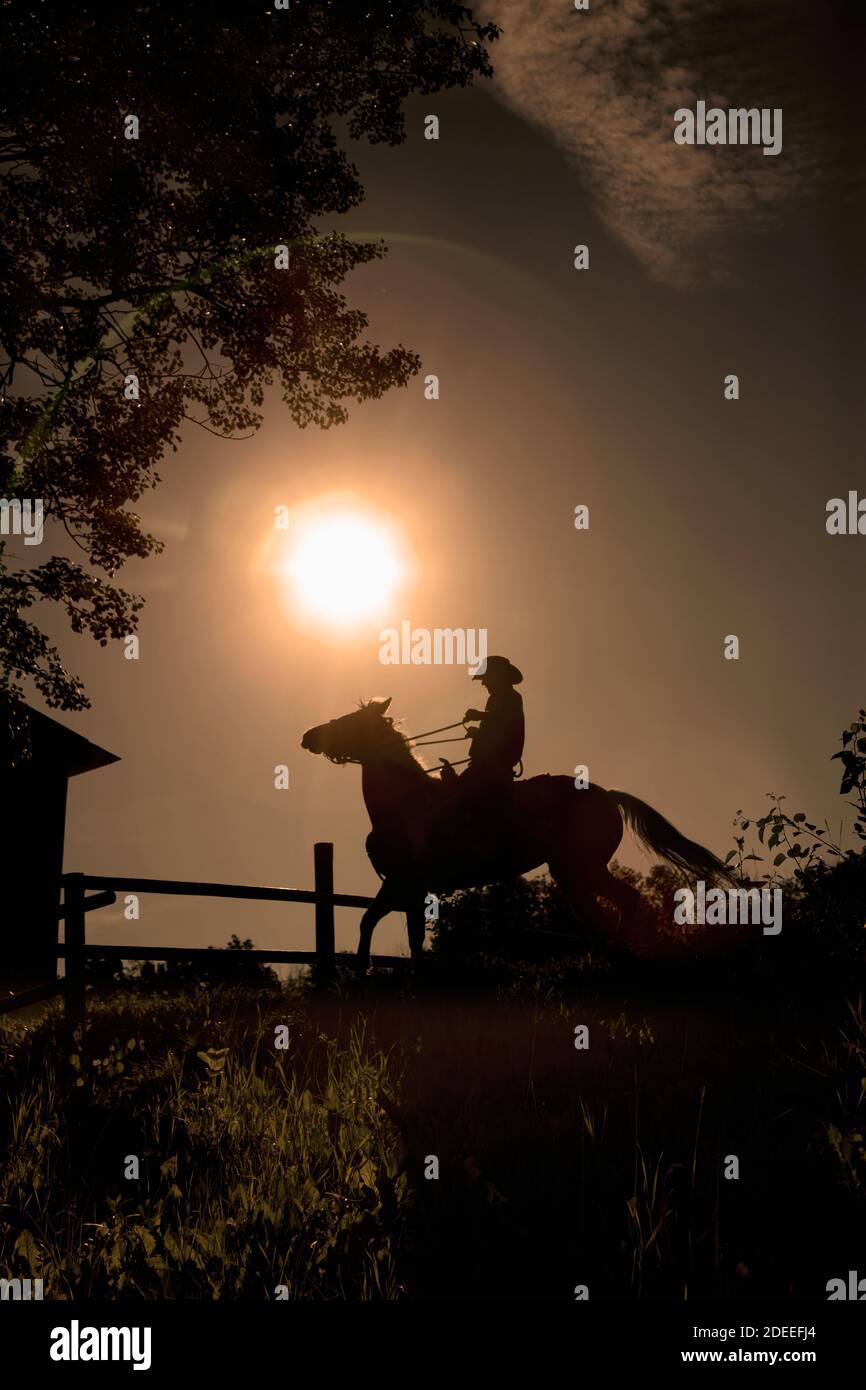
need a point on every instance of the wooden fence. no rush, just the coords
(76, 905)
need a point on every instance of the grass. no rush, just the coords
(194, 1159)
(305, 1168)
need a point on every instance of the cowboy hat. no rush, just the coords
(502, 666)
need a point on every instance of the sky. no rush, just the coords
(601, 387)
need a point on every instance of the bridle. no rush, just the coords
(421, 740)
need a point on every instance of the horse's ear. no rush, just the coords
(382, 705)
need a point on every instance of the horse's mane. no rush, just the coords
(395, 742)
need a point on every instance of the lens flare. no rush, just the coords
(344, 568)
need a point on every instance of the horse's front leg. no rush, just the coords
(381, 905)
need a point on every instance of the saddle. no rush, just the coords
(471, 821)
(453, 842)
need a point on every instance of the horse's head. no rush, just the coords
(352, 737)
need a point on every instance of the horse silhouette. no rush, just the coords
(422, 840)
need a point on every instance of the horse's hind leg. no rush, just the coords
(633, 909)
(582, 899)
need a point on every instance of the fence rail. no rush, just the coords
(75, 951)
(181, 889)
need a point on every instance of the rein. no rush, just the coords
(458, 738)
(424, 741)
(459, 763)
(413, 740)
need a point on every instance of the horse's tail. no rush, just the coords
(665, 840)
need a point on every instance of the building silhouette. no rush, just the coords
(35, 776)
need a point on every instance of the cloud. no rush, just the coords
(605, 83)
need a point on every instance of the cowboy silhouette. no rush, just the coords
(497, 744)
(424, 841)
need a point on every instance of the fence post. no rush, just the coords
(74, 936)
(323, 873)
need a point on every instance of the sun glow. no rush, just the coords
(344, 567)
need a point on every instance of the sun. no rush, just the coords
(343, 567)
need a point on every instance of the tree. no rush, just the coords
(152, 161)
(803, 844)
(824, 884)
